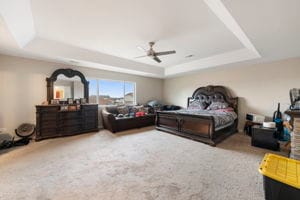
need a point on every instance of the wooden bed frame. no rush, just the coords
(199, 128)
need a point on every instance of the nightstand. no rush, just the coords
(264, 138)
(248, 127)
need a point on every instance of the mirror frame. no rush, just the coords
(68, 73)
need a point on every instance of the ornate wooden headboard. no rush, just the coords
(215, 93)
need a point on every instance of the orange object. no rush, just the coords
(57, 94)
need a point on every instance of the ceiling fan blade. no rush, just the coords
(164, 53)
(141, 56)
(156, 59)
(141, 48)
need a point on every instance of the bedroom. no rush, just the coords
(256, 57)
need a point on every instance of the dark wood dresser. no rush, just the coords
(52, 122)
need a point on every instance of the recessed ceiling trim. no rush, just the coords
(213, 61)
(224, 15)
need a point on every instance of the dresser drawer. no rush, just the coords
(70, 130)
(48, 116)
(48, 132)
(70, 115)
(90, 126)
(90, 113)
(48, 124)
(69, 122)
(43, 109)
(90, 120)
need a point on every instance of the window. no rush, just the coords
(111, 92)
(93, 91)
(129, 96)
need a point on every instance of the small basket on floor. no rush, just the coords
(25, 130)
(281, 177)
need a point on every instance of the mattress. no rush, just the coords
(222, 118)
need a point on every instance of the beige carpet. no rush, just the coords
(139, 164)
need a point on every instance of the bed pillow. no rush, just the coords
(140, 108)
(197, 104)
(216, 105)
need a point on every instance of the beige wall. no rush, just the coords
(259, 87)
(23, 85)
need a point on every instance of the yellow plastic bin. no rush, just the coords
(281, 177)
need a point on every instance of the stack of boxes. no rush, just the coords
(295, 140)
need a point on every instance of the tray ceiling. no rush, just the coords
(105, 34)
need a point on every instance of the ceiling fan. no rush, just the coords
(152, 54)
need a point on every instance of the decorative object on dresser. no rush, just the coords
(198, 123)
(70, 101)
(63, 119)
(83, 100)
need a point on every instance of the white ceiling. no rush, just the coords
(105, 34)
(116, 27)
(273, 26)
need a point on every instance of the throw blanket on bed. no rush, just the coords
(222, 117)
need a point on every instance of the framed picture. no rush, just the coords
(54, 101)
(82, 100)
(77, 101)
(64, 108)
(70, 101)
(63, 102)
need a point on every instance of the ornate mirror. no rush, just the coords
(67, 83)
